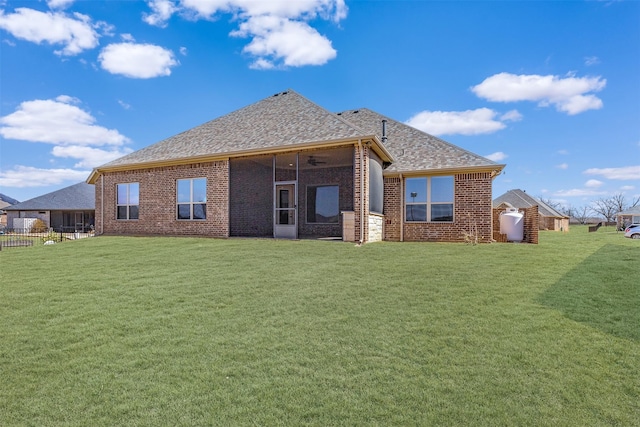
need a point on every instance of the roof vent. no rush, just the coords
(384, 131)
(276, 94)
(339, 114)
(285, 92)
(355, 111)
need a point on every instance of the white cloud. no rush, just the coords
(511, 116)
(497, 156)
(75, 34)
(141, 61)
(627, 188)
(279, 29)
(563, 152)
(183, 51)
(27, 176)
(593, 183)
(89, 157)
(579, 192)
(59, 4)
(469, 122)
(623, 173)
(569, 94)
(278, 40)
(591, 60)
(57, 122)
(162, 11)
(563, 166)
(124, 104)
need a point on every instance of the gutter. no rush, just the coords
(401, 208)
(361, 191)
(102, 204)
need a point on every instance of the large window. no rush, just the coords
(323, 204)
(127, 200)
(429, 199)
(192, 198)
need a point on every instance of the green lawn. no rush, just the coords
(187, 331)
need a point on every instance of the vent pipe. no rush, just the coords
(384, 131)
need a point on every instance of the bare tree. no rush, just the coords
(581, 214)
(565, 210)
(609, 207)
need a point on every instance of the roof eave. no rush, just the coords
(377, 146)
(494, 169)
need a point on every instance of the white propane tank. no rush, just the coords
(512, 224)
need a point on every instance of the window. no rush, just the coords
(128, 199)
(429, 199)
(323, 204)
(192, 198)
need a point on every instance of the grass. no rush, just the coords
(188, 331)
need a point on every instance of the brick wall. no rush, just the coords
(361, 192)
(157, 209)
(392, 208)
(472, 212)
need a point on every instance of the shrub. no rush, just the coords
(39, 226)
(52, 235)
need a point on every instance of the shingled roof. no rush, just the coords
(81, 196)
(289, 120)
(284, 119)
(414, 150)
(519, 199)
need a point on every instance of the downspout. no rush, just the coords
(401, 208)
(102, 204)
(361, 192)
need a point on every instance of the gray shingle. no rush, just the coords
(283, 119)
(289, 119)
(519, 199)
(412, 149)
(81, 196)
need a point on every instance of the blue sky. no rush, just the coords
(551, 89)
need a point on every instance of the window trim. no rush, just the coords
(428, 203)
(128, 205)
(191, 203)
(306, 210)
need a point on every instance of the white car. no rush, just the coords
(632, 231)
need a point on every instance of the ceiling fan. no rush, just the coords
(314, 162)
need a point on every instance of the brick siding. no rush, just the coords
(472, 210)
(157, 208)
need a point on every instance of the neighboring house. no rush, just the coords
(285, 167)
(550, 219)
(630, 216)
(5, 201)
(68, 209)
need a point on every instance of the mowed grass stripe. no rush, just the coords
(188, 331)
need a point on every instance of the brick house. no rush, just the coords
(285, 167)
(549, 218)
(69, 209)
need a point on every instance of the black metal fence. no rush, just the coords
(21, 237)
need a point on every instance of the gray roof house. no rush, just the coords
(68, 209)
(285, 167)
(550, 218)
(629, 216)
